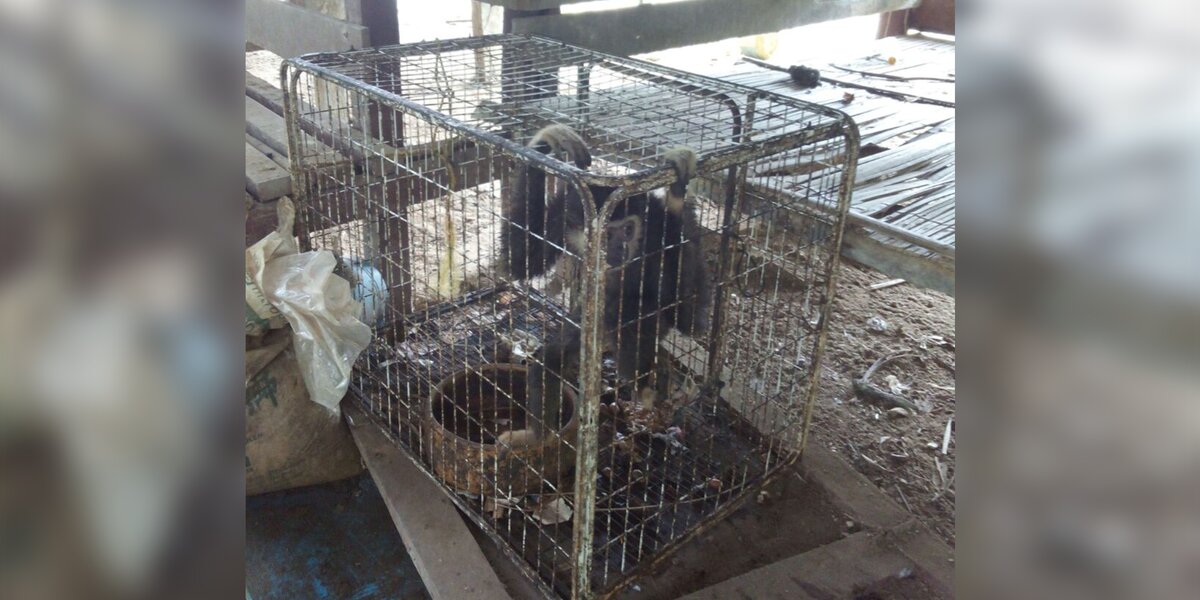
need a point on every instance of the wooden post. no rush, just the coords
(381, 20)
(935, 16)
(892, 24)
(477, 31)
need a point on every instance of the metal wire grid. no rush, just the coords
(401, 150)
(628, 110)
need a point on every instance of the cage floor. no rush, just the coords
(659, 476)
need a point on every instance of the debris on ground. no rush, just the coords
(877, 324)
(920, 324)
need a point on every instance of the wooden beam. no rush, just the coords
(446, 555)
(290, 30)
(848, 490)
(265, 180)
(266, 126)
(378, 16)
(264, 93)
(928, 272)
(900, 233)
(892, 541)
(532, 4)
(276, 157)
(652, 27)
(844, 568)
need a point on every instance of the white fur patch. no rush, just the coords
(675, 204)
(576, 242)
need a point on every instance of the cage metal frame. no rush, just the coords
(732, 161)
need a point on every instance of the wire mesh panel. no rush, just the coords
(593, 362)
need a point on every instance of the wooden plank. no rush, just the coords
(446, 555)
(290, 30)
(515, 581)
(266, 126)
(265, 122)
(651, 27)
(849, 490)
(844, 568)
(265, 180)
(264, 93)
(770, 186)
(278, 158)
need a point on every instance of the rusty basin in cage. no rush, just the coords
(462, 419)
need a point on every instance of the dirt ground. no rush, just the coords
(901, 455)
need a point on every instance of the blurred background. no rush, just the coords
(1079, 300)
(122, 231)
(120, 359)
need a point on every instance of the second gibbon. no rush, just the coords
(656, 277)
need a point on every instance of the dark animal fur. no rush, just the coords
(656, 277)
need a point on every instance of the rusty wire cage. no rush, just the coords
(402, 159)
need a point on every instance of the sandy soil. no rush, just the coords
(903, 456)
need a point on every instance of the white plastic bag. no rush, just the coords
(327, 334)
(261, 314)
